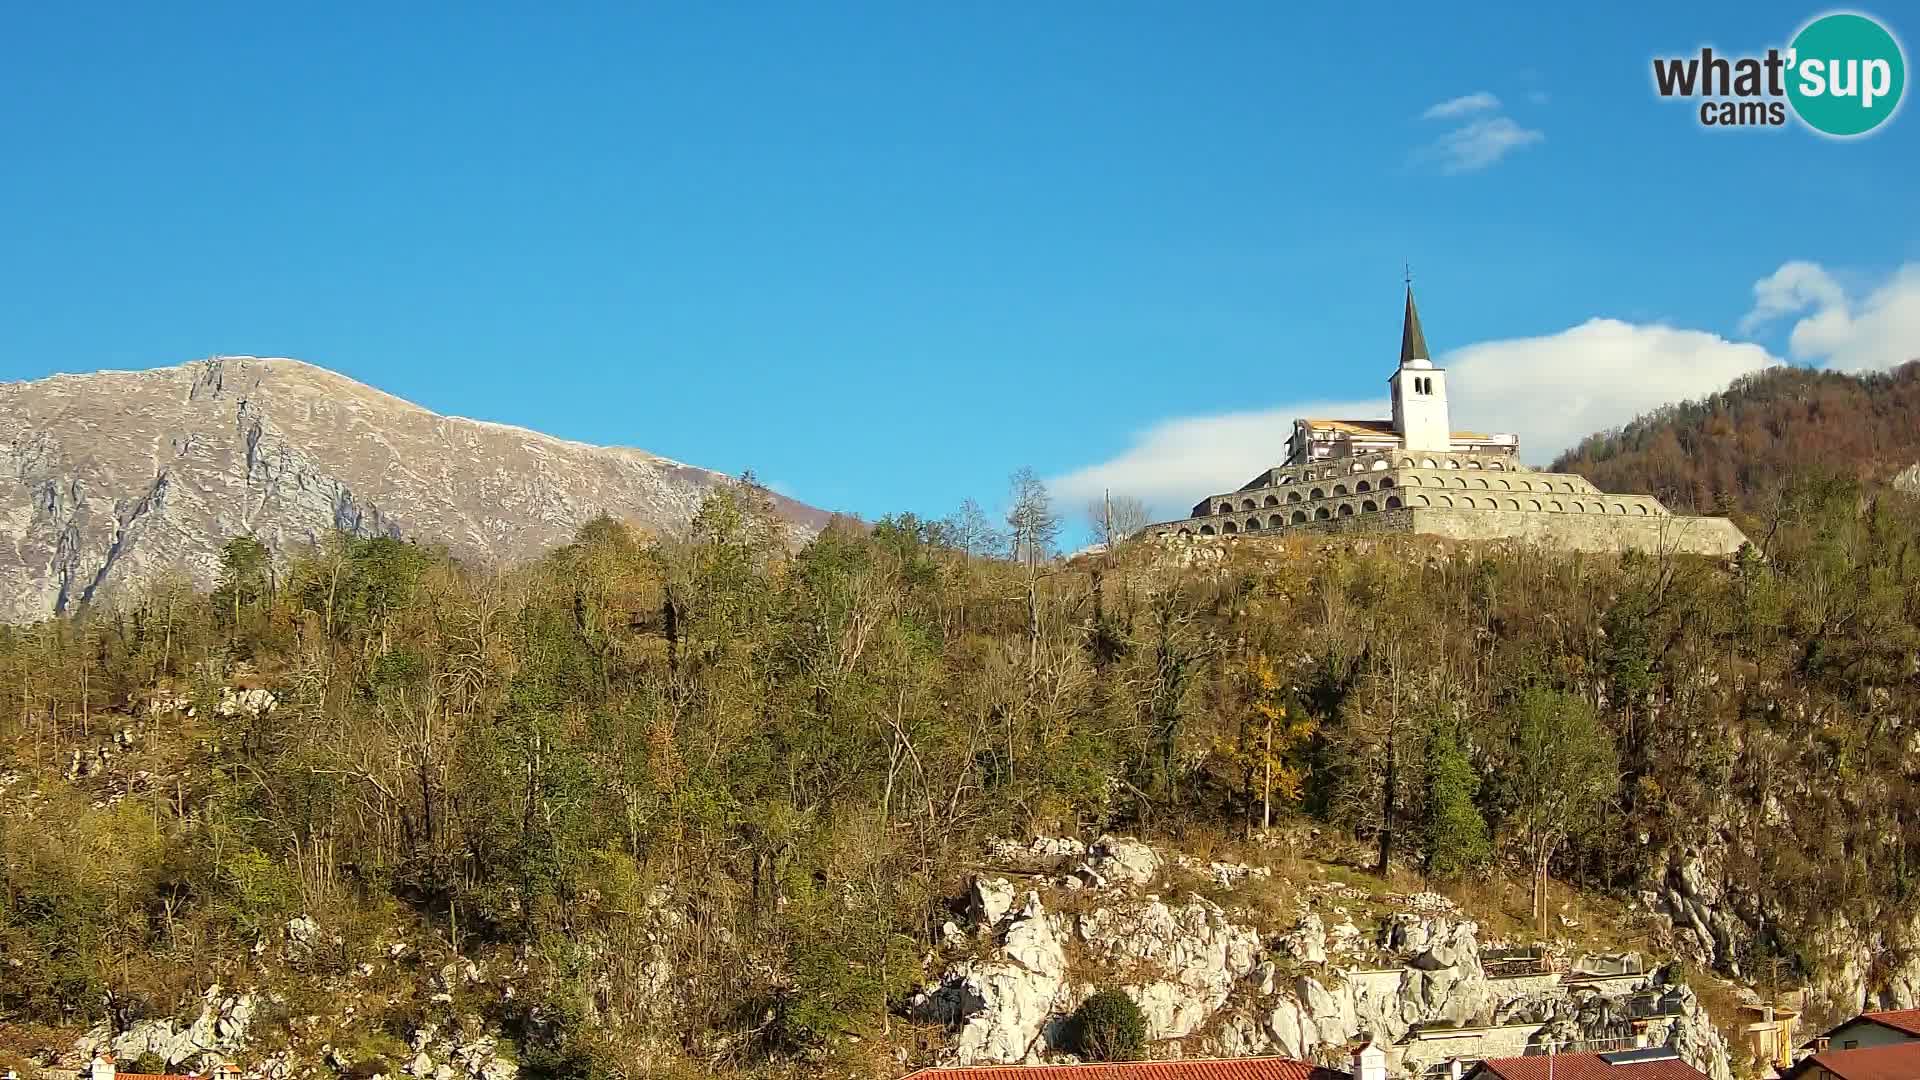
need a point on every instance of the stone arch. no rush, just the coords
(1393, 502)
(1459, 481)
(1367, 506)
(1387, 482)
(1293, 496)
(1346, 509)
(1422, 500)
(1317, 493)
(1321, 514)
(1512, 505)
(1378, 464)
(1555, 506)
(1445, 500)
(1567, 486)
(1533, 504)
(1288, 479)
(1642, 507)
(1413, 480)
(1275, 521)
(1473, 463)
(1466, 503)
(1270, 500)
(1229, 527)
(1619, 508)
(1504, 486)
(1186, 534)
(1427, 463)
(1452, 464)
(1226, 508)
(1339, 489)
(1357, 467)
(1299, 517)
(1206, 530)
(1361, 487)
(1247, 504)
(1481, 483)
(1406, 463)
(1253, 523)
(1495, 466)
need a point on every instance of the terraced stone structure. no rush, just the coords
(1414, 473)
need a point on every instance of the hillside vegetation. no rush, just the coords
(1734, 450)
(768, 772)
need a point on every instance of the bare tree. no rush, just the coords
(1113, 518)
(970, 530)
(1031, 518)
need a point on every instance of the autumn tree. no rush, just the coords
(1268, 740)
(1563, 770)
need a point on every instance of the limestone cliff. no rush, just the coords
(1208, 981)
(108, 480)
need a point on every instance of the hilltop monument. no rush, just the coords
(1413, 473)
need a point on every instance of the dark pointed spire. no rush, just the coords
(1413, 343)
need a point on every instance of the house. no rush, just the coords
(1885, 1061)
(1655, 1063)
(1872, 1029)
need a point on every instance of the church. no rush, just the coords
(1413, 473)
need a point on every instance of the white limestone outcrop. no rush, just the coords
(1209, 983)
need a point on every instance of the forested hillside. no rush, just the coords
(1732, 450)
(710, 800)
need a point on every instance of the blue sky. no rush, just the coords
(883, 254)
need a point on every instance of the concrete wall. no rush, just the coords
(1582, 532)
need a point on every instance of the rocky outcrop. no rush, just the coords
(1207, 982)
(1908, 479)
(997, 1009)
(217, 1033)
(110, 480)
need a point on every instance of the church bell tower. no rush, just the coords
(1419, 390)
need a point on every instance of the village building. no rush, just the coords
(1656, 1063)
(1412, 472)
(1870, 1029)
(1885, 1061)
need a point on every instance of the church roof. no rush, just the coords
(1413, 341)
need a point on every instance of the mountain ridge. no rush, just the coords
(110, 480)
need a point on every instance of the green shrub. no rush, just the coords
(1109, 1027)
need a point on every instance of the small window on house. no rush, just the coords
(1850, 1044)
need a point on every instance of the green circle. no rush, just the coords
(1855, 55)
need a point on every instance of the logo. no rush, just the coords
(1842, 75)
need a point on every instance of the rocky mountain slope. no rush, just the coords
(110, 479)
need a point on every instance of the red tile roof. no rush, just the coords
(1907, 1020)
(1586, 1067)
(1267, 1068)
(1894, 1061)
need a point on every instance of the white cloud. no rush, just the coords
(1556, 389)
(1552, 390)
(1837, 330)
(1537, 97)
(1173, 463)
(1479, 101)
(1479, 144)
